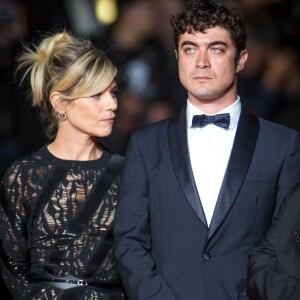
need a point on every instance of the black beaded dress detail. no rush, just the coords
(27, 240)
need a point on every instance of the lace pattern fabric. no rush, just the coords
(27, 241)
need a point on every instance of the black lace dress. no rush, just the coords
(28, 238)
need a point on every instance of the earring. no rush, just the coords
(62, 116)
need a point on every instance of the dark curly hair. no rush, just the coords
(200, 15)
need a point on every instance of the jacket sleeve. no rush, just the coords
(274, 268)
(290, 172)
(132, 233)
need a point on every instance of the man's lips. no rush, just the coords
(201, 77)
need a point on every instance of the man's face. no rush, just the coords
(207, 66)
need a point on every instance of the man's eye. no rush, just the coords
(217, 50)
(189, 50)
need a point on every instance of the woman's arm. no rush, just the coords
(14, 260)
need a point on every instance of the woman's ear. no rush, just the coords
(57, 102)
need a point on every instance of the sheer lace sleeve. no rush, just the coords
(13, 235)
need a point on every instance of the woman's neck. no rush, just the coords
(79, 149)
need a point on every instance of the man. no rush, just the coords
(195, 199)
(274, 270)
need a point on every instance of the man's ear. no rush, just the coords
(176, 54)
(242, 61)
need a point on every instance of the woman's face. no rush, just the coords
(93, 116)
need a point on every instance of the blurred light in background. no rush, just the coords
(106, 11)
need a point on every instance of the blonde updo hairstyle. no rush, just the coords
(69, 65)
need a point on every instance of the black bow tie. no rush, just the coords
(221, 120)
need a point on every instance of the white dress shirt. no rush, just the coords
(209, 149)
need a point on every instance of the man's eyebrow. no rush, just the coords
(190, 43)
(218, 43)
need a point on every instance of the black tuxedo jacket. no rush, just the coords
(274, 269)
(163, 245)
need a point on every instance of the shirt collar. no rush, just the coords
(233, 109)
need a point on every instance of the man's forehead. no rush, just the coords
(209, 35)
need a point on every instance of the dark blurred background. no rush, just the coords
(137, 35)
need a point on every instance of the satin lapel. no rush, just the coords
(238, 165)
(178, 145)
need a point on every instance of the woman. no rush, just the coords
(58, 204)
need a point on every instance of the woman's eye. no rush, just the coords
(114, 93)
(97, 95)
